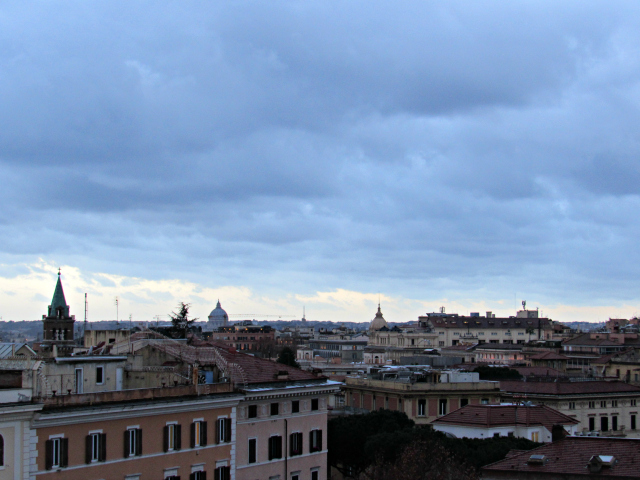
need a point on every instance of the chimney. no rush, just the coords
(488, 314)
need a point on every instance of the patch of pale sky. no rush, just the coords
(21, 298)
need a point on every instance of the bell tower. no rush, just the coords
(58, 325)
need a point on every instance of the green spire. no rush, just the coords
(58, 301)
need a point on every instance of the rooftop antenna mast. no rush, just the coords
(86, 311)
(117, 307)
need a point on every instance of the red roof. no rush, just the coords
(548, 356)
(490, 416)
(566, 388)
(571, 455)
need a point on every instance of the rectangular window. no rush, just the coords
(484, 401)
(222, 473)
(198, 434)
(315, 441)
(592, 424)
(614, 403)
(442, 406)
(604, 423)
(422, 408)
(223, 430)
(295, 444)
(275, 447)
(614, 423)
(172, 437)
(96, 447)
(314, 404)
(275, 408)
(464, 402)
(572, 405)
(315, 475)
(534, 436)
(633, 422)
(603, 404)
(295, 406)
(132, 442)
(56, 453)
(633, 402)
(592, 404)
(253, 411)
(253, 450)
(201, 475)
(99, 375)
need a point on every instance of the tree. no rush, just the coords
(497, 373)
(180, 321)
(288, 357)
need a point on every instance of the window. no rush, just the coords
(172, 437)
(56, 453)
(223, 430)
(253, 411)
(592, 424)
(295, 444)
(132, 442)
(1, 451)
(633, 422)
(572, 405)
(198, 433)
(463, 402)
(96, 447)
(484, 401)
(315, 441)
(315, 474)
(253, 450)
(603, 404)
(442, 406)
(614, 403)
(604, 423)
(422, 408)
(99, 375)
(275, 408)
(295, 476)
(534, 436)
(222, 473)
(201, 475)
(314, 404)
(592, 404)
(441, 343)
(275, 447)
(614, 423)
(295, 406)
(633, 402)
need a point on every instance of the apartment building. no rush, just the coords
(120, 436)
(421, 392)
(610, 408)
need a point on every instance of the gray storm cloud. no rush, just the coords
(461, 149)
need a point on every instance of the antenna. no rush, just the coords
(524, 304)
(86, 310)
(117, 306)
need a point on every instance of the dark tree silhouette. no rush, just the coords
(180, 321)
(288, 357)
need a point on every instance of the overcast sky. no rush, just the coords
(279, 154)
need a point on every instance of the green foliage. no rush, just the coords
(356, 440)
(288, 357)
(368, 445)
(180, 321)
(497, 373)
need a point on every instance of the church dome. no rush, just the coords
(378, 322)
(218, 317)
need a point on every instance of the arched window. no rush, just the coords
(1, 451)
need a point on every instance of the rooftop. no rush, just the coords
(567, 388)
(572, 455)
(490, 416)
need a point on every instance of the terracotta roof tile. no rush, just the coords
(566, 388)
(490, 416)
(571, 455)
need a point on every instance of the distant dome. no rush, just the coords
(218, 317)
(378, 322)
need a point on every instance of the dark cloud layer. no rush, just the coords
(426, 150)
